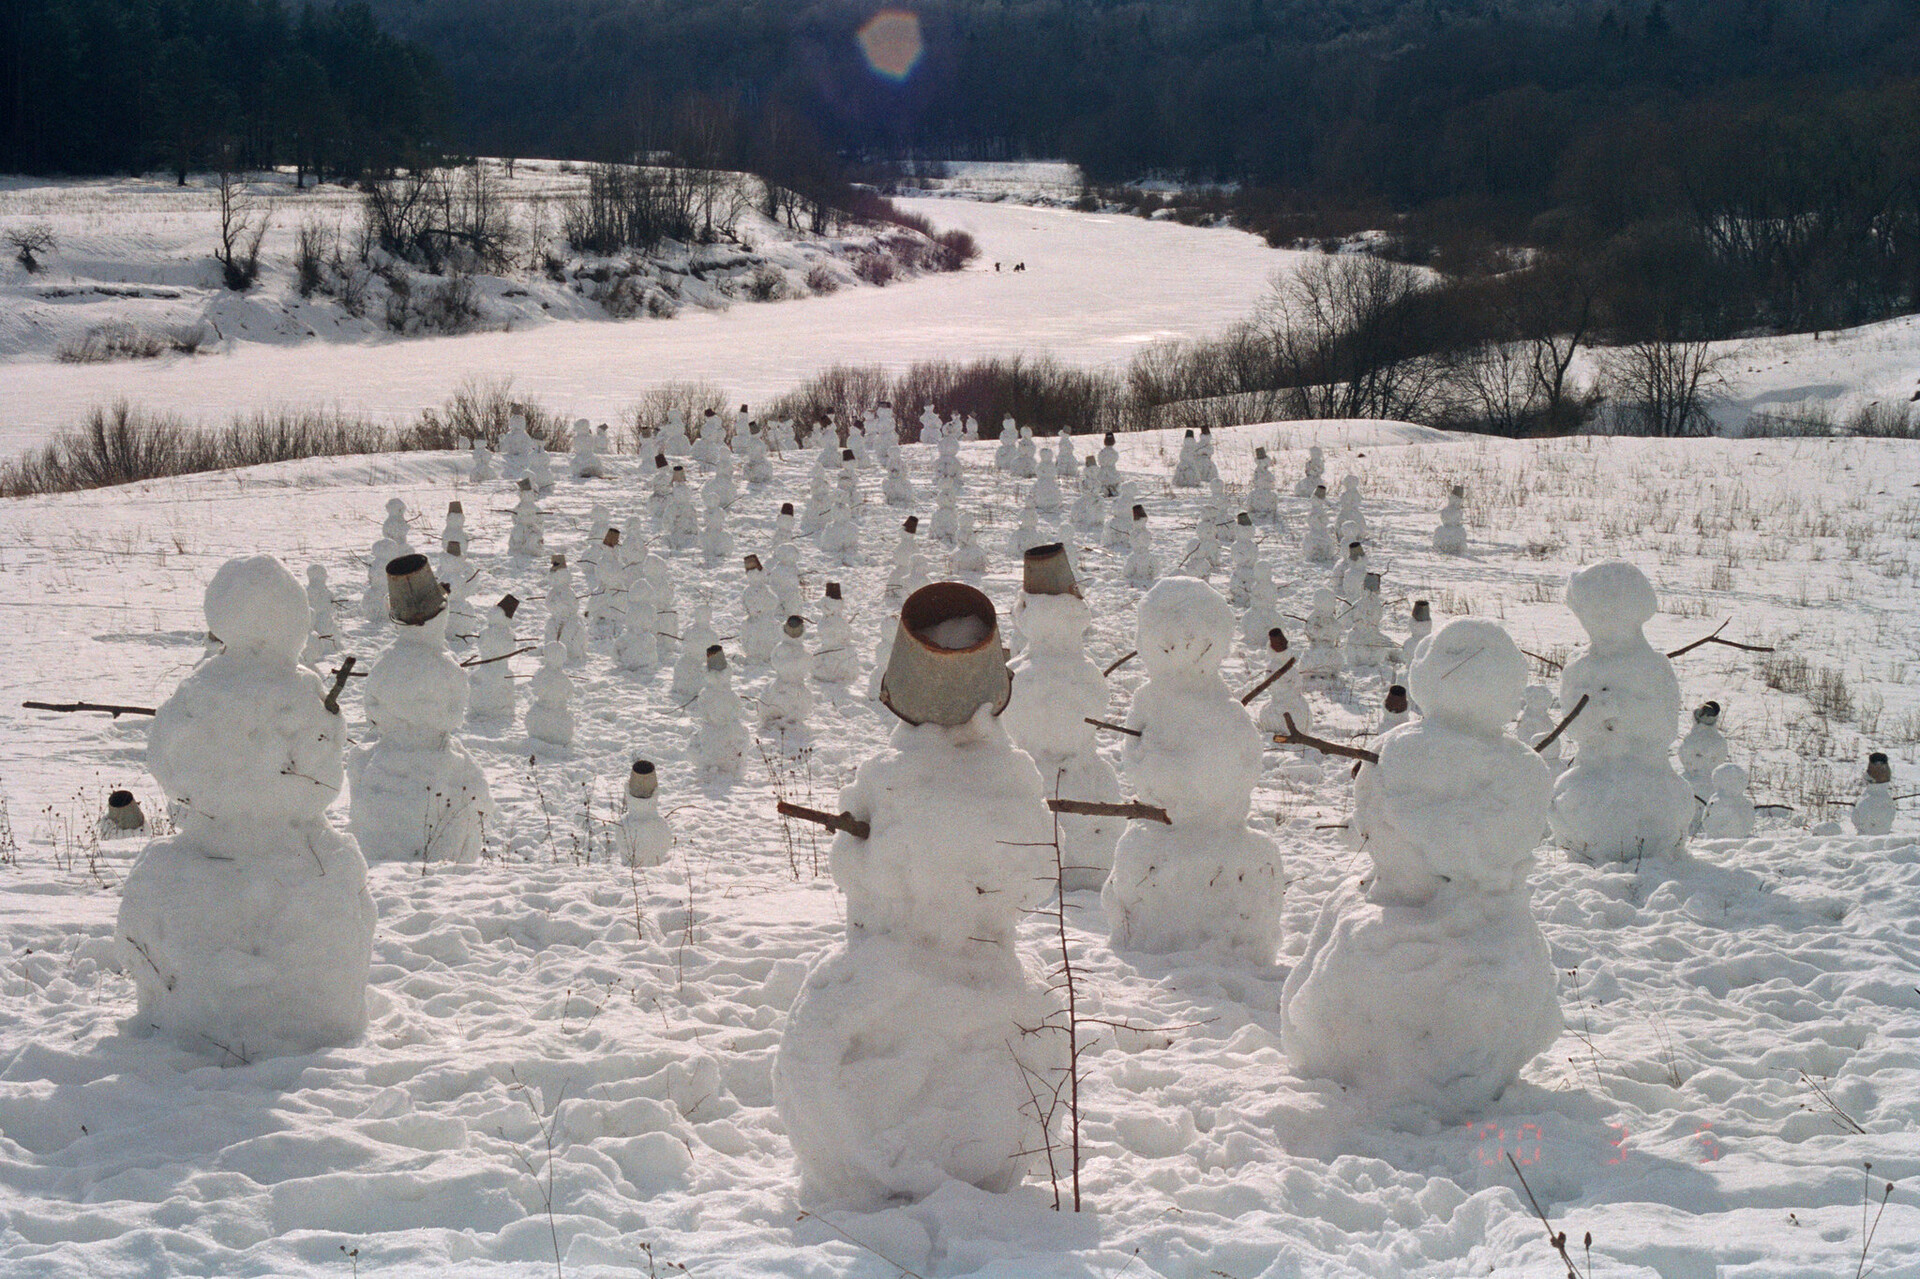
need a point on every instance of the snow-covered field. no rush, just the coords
(568, 1066)
(1094, 290)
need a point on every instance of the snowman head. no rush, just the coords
(258, 609)
(1469, 675)
(1185, 626)
(1613, 600)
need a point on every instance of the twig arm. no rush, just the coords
(105, 708)
(1113, 728)
(1715, 639)
(1120, 661)
(340, 677)
(832, 821)
(1540, 746)
(482, 661)
(1261, 687)
(1136, 812)
(1294, 737)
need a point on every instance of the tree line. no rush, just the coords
(103, 86)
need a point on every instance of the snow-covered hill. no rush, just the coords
(568, 1064)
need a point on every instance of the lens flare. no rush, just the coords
(891, 43)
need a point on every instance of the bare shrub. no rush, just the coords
(121, 340)
(768, 283)
(243, 226)
(1662, 387)
(1042, 393)
(649, 413)
(30, 243)
(480, 410)
(956, 249)
(1883, 421)
(844, 390)
(875, 268)
(124, 445)
(1351, 338)
(823, 279)
(314, 245)
(629, 206)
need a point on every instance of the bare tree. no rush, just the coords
(1662, 386)
(29, 242)
(1349, 334)
(243, 225)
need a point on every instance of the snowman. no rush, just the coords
(1263, 500)
(1729, 813)
(1313, 479)
(836, 661)
(1703, 750)
(1284, 697)
(490, 691)
(417, 794)
(1057, 689)
(719, 743)
(549, 717)
(787, 700)
(1426, 985)
(1621, 800)
(1206, 880)
(1873, 811)
(323, 641)
(906, 1060)
(1451, 537)
(249, 933)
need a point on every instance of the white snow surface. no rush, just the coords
(552, 1027)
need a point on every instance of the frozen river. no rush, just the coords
(1096, 288)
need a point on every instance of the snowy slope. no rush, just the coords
(568, 1063)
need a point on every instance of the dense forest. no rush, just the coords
(1717, 165)
(98, 86)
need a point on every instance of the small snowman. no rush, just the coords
(1703, 750)
(1419, 626)
(549, 714)
(690, 672)
(1284, 697)
(249, 933)
(1313, 478)
(1451, 537)
(1057, 689)
(787, 700)
(1046, 485)
(1141, 568)
(1621, 800)
(761, 605)
(323, 639)
(1729, 813)
(586, 455)
(564, 624)
(969, 558)
(1321, 661)
(718, 746)
(524, 538)
(1207, 880)
(1263, 499)
(1186, 468)
(1873, 811)
(1536, 721)
(490, 691)
(417, 794)
(1366, 646)
(1350, 512)
(455, 531)
(1426, 985)
(835, 661)
(638, 647)
(1316, 542)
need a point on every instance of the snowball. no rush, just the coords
(1184, 623)
(1429, 1012)
(1471, 675)
(256, 606)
